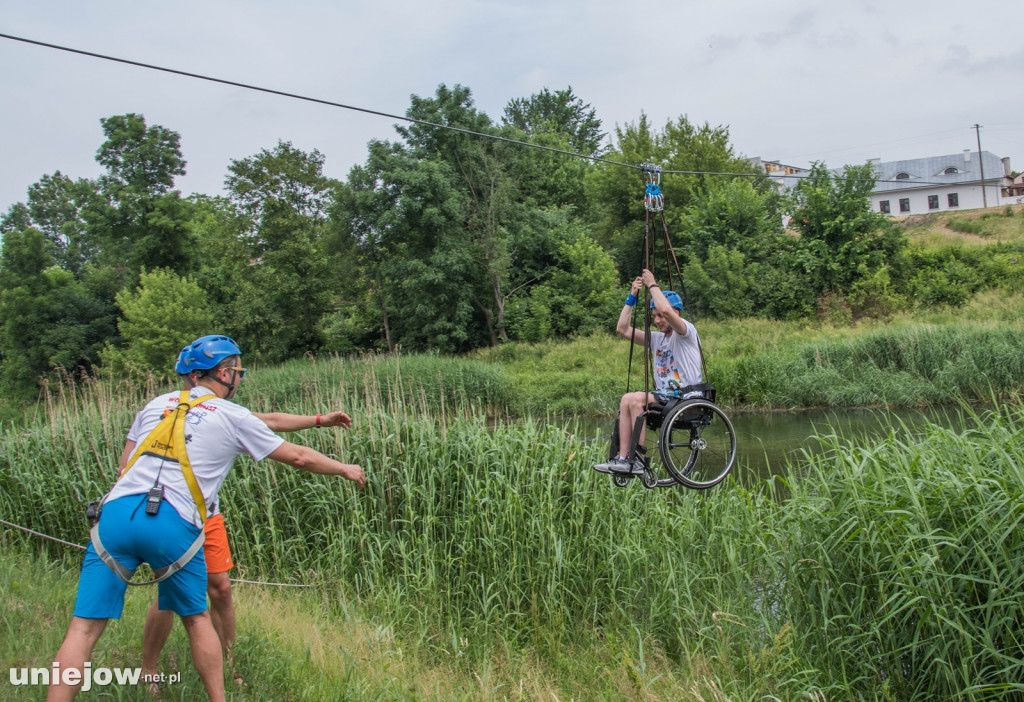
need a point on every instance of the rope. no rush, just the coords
(79, 546)
(654, 202)
(41, 535)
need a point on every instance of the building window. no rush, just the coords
(902, 175)
(933, 202)
(952, 170)
(953, 199)
(904, 204)
(883, 207)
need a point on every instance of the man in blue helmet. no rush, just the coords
(180, 450)
(676, 351)
(216, 549)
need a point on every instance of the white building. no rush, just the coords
(940, 183)
(782, 176)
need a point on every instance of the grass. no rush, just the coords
(967, 228)
(486, 560)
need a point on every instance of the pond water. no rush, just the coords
(766, 439)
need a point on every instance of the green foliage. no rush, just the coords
(57, 205)
(967, 226)
(720, 286)
(404, 215)
(284, 288)
(579, 297)
(451, 242)
(951, 275)
(48, 320)
(138, 221)
(735, 214)
(616, 193)
(863, 570)
(139, 158)
(560, 112)
(841, 238)
(874, 295)
(163, 314)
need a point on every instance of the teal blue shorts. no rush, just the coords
(132, 536)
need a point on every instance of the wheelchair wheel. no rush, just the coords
(697, 444)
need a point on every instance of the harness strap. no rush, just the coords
(160, 573)
(167, 441)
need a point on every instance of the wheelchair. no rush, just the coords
(696, 444)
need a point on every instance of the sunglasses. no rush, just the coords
(237, 369)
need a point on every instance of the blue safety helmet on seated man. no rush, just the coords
(673, 299)
(205, 353)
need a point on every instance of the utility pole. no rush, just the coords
(981, 164)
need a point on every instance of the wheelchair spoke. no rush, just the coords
(698, 444)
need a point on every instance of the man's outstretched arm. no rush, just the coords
(282, 421)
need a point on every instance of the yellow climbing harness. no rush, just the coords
(167, 442)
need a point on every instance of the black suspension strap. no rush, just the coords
(654, 202)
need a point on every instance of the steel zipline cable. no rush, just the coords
(413, 120)
(306, 98)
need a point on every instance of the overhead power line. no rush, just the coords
(413, 120)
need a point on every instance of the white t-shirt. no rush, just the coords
(217, 431)
(676, 360)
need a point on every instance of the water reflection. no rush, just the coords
(766, 439)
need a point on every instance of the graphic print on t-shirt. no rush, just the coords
(667, 376)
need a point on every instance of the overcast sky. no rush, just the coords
(793, 80)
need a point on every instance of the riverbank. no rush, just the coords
(971, 353)
(910, 360)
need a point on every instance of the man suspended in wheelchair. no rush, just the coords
(675, 350)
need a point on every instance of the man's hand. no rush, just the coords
(637, 285)
(354, 473)
(335, 419)
(648, 278)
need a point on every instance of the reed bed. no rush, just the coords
(890, 570)
(904, 367)
(931, 357)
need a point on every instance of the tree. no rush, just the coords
(554, 120)
(616, 194)
(841, 239)
(405, 215)
(280, 198)
(736, 259)
(140, 221)
(561, 113)
(142, 159)
(55, 207)
(17, 218)
(165, 312)
(479, 165)
(57, 204)
(47, 318)
(579, 297)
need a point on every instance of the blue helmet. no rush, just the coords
(205, 353)
(673, 299)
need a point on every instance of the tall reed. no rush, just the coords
(885, 569)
